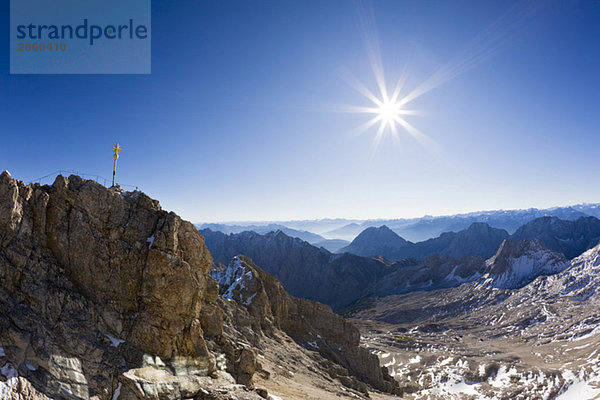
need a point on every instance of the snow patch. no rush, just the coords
(577, 388)
(150, 240)
(117, 392)
(66, 390)
(12, 379)
(114, 342)
(248, 301)
(415, 360)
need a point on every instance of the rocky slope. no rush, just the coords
(435, 272)
(311, 324)
(105, 295)
(480, 340)
(518, 263)
(304, 270)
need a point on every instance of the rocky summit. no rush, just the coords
(104, 295)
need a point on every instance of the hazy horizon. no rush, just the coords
(248, 222)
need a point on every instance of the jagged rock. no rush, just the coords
(92, 279)
(518, 263)
(104, 295)
(568, 237)
(304, 270)
(311, 324)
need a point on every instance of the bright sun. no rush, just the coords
(389, 112)
(387, 109)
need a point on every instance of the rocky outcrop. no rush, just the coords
(518, 263)
(92, 279)
(105, 295)
(312, 325)
(570, 238)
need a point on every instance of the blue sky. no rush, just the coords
(235, 122)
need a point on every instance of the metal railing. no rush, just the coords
(49, 179)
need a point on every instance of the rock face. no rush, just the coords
(518, 263)
(435, 272)
(571, 238)
(311, 324)
(105, 295)
(86, 271)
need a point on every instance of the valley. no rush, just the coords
(481, 342)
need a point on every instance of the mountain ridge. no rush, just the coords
(427, 227)
(568, 237)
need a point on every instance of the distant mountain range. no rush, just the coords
(444, 262)
(479, 239)
(568, 237)
(419, 229)
(332, 245)
(412, 229)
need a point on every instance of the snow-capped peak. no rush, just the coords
(518, 263)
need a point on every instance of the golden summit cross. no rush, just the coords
(116, 150)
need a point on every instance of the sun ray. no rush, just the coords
(488, 43)
(395, 135)
(416, 133)
(379, 135)
(360, 88)
(399, 86)
(366, 126)
(350, 109)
